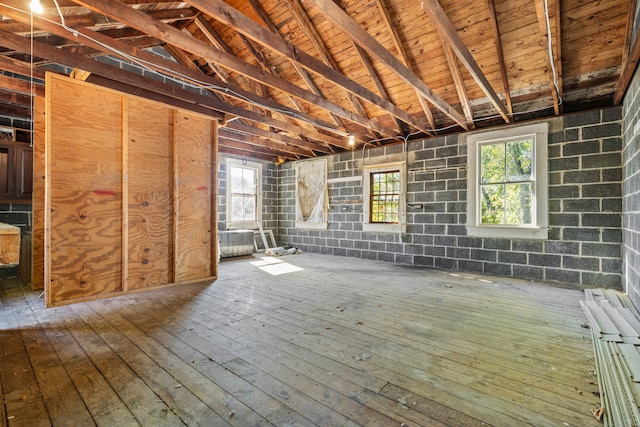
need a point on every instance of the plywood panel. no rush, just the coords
(193, 138)
(85, 188)
(37, 252)
(150, 198)
(128, 194)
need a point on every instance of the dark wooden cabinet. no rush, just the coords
(16, 169)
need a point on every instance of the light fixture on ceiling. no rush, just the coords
(352, 139)
(35, 6)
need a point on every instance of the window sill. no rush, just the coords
(383, 228)
(537, 233)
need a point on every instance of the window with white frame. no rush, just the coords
(244, 202)
(507, 183)
(384, 198)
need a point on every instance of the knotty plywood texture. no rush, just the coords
(85, 190)
(150, 195)
(193, 196)
(127, 188)
(39, 184)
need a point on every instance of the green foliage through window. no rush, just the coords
(385, 197)
(506, 182)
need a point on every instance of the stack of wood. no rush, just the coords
(615, 327)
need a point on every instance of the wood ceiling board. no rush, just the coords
(592, 41)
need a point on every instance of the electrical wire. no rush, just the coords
(551, 57)
(183, 79)
(176, 76)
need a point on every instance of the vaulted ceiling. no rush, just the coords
(294, 79)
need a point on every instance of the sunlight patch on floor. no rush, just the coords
(275, 266)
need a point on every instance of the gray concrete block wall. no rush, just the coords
(631, 192)
(585, 185)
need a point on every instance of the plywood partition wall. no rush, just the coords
(39, 183)
(128, 197)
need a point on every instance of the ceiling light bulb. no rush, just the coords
(35, 6)
(352, 139)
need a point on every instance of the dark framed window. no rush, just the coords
(385, 197)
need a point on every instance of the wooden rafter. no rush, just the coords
(551, 48)
(336, 15)
(630, 56)
(459, 83)
(447, 31)
(170, 67)
(21, 86)
(376, 80)
(241, 23)
(273, 140)
(404, 58)
(309, 29)
(302, 72)
(176, 37)
(500, 56)
(144, 86)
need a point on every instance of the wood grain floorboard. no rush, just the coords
(304, 340)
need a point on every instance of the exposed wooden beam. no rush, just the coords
(284, 143)
(500, 56)
(630, 56)
(364, 59)
(18, 99)
(19, 67)
(17, 111)
(459, 83)
(20, 85)
(223, 148)
(302, 72)
(404, 57)
(51, 53)
(256, 143)
(243, 24)
(113, 28)
(551, 46)
(252, 150)
(335, 14)
(447, 31)
(169, 34)
(309, 29)
(170, 67)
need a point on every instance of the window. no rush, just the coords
(385, 197)
(507, 183)
(384, 208)
(244, 204)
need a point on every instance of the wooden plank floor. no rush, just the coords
(302, 340)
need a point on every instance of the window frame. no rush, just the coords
(539, 227)
(257, 167)
(367, 225)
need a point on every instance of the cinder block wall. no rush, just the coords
(585, 187)
(631, 192)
